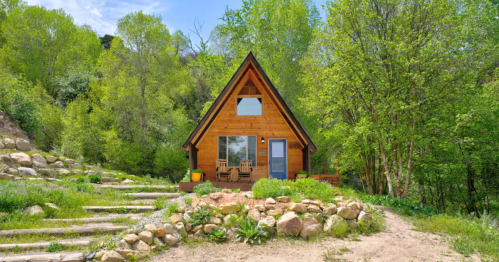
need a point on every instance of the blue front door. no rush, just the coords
(278, 167)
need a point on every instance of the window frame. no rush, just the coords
(248, 96)
(227, 149)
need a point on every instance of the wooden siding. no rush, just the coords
(270, 125)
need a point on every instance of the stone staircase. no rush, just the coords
(82, 232)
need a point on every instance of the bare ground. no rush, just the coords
(398, 242)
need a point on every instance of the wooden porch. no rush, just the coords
(243, 186)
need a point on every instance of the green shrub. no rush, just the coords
(197, 171)
(205, 189)
(187, 200)
(308, 187)
(80, 180)
(201, 216)
(55, 247)
(217, 235)
(95, 179)
(265, 188)
(171, 209)
(313, 189)
(302, 172)
(249, 232)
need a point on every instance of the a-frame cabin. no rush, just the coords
(249, 120)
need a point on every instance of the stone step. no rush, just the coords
(44, 257)
(63, 231)
(96, 219)
(153, 195)
(45, 244)
(131, 187)
(139, 209)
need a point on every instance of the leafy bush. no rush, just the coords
(249, 232)
(217, 235)
(80, 180)
(187, 200)
(95, 179)
(200, 217)
(409, 208)
(197, 171)
(55, 247)
(308, 187)
(205, 189)
(302, 172)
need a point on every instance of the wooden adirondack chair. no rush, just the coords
(222, 170)
(245, 169)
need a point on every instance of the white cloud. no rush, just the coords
(101, 15)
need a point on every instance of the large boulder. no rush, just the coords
(168, 229)
(330, 210)
(21, 159)
(51, 159)
(112, 256)
(39, 161)
(365, 218)
(26, 171)
(311, 227)
(22, 144)
(353, 224)
(160, 232)
(131, 238)
(4, 176)
(171, 240)
(208, 227)
(9, 143)
(146, 236)
(151, 228)
(33, 210)
(283, 199)
(216, 195)
(344, 212)
(314, 209)
(4, 158)
(270, 203)
(2, 146)
(334, 222)
(289, 224)
(57, 164)
(64, 172)
(298, 207)
(175, 218)
(231, 207)
(142, 246)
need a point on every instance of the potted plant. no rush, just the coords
(196, 175)
(302, 174)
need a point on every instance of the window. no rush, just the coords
(234, 148)
(249, 106)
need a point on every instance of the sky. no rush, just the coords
(102, 15)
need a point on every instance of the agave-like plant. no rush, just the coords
(218, 235)
(249, 232)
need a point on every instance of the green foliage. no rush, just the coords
(73, 85)
(217, 235)
(55, 247)
(197, 171)
(249, 232)
(409, 208)
(95, 179)
(200, 217)
(187, 200)
(171, 209)
(205, 189)
(160, 203)
(308, 187)
(80, 180)
(302, 172)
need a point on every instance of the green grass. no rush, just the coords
(469, 236)
(306, 187)
(55, 247)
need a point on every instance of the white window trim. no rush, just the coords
(227, 150)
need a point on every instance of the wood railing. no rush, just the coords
(334, 180)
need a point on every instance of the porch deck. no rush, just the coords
(243, 186)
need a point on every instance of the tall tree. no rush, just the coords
(380, 70)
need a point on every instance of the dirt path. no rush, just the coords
(398, 242)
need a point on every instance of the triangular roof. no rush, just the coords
(249, 62)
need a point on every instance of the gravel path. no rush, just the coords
(398, 242)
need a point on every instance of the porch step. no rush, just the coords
(131, 187)
(139, 209)
(153, 195)
(63, 231)
(43, 257)
(96, 219)
(45, 244)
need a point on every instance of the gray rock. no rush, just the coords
(146, 236)
(51, 159)
(344, 212)
(26, 171)
(171, 239)
(254, 214)
(131, 238)
(333, 222)
(39, 161)
(314, 209)
(64, 171)
(352, 224)
(33, 210)
(268, 223)
(2, 146)
(57, 164)
(6, 160)
(298, 207)
(9, 143)
(22, 144)
(4, 176)
(168, 229)
(330, 210)
(21, 159)
(311, 227)
(77, 172)
(70, 161)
